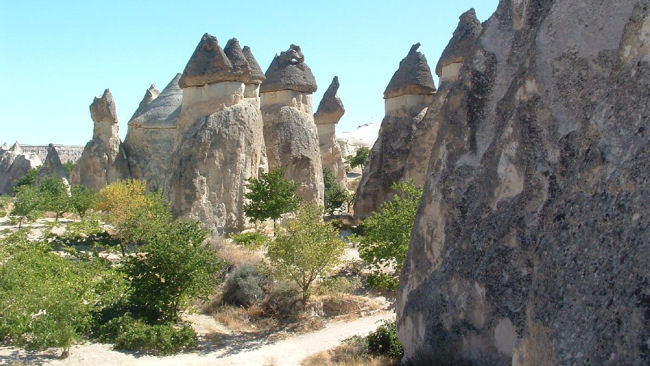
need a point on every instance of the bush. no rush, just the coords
(54, 196)
(285, 300)
(270, 196)
(251, 240)
(82, 199)
(339, 285)
(335, 195)
(158, 339)
(243, 286)
(29, 179)
(27, 204)
(5, 202)
(308, 248)
(359, 158)
(384, 341)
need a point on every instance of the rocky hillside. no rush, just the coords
(532, 243)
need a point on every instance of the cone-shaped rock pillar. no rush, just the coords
(329, 112)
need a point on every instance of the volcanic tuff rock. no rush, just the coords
(239, 62)
(14, 163)
(329, 112)
(52, 165)
(460, 46)
(532, 241)
(208, 65)
(290, 133)
(218, 146)
(149, 95)
(151, 136)
(408, 96)
(257, 75)
(104, 159)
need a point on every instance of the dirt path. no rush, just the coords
(231, 349)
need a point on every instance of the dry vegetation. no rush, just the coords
(351, 353)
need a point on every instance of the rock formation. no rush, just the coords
(14, 163)
(459, 47)
(290, 133)
(151, 135)
(219, 139)
(407, 98)
(104, 159)
(67, 153)
(52, 166)
(531, 244)
(363, 135)
(329, 112)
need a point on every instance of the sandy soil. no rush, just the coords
(218, 347)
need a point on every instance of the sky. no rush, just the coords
(56, 56)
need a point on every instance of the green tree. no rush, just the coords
(270, 196)
(82, 199)
(69, 166)
(29, 179)
(54, 196)
(306, 249)
(359, 158)
(27, 204)
(387, 233)
(335, 195)
(170, 269)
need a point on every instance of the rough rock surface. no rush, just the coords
(329, 112)
(149, 95)
(104, 159)
(208, 65)
(238, 60)
(412, 77)
(290, 133)
(14, 163)
(288, 71)
(67, 153)
(218, 147)
(531, 243)
(399, 153)
(151, 137)
(461, 43)
(52, 165)
(257, 75)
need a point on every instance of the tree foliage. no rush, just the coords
(306, 249)
(54, 196)
(335, 195)
(387, 232)
(270, 196)
(82, 199)
(359, 158)
(29, 179)
(27, 204)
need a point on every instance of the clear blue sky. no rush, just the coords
(55, 56)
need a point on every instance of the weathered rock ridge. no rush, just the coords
(14, 163)
(151, 136)
(408, 97)
(52, 166)
(329, 112)
(219, 139)
(104, 159)
(532, 242)
(290, 132)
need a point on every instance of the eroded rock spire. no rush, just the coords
(412, 77)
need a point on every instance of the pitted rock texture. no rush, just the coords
(151, 94)
(412, 77)
(150, 139)
(257, 75)
(329, 112)
(288, 71)
(14, 164)
(208, 65)
(461, 43)
(531, 243)
(239, 62)
(52, 165)
(104, 158)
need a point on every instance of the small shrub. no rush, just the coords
(5, 203)
(285, 300)
(251, 240)
(383, 281)
(339, 285)
(384, 341)
(243, 286)
(158, 339)
(335, 195)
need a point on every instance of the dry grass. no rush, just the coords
(350, 354)
(345, 304)
(235, 254)
(239, 319)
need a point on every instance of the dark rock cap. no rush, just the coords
(208, 65)
(412, 77)
(151, 94)
(162, 112)
(257, 75)
(240, 67)
(331, 104)
(462, 42)
(288, 71)
(103, 108)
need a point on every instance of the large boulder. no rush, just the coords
(531, 245)
(290, 132)
(219, 141)
(104, 158)
(151, 135)
(407, 98)
(329, 112)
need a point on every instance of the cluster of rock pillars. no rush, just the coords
(531, 245)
